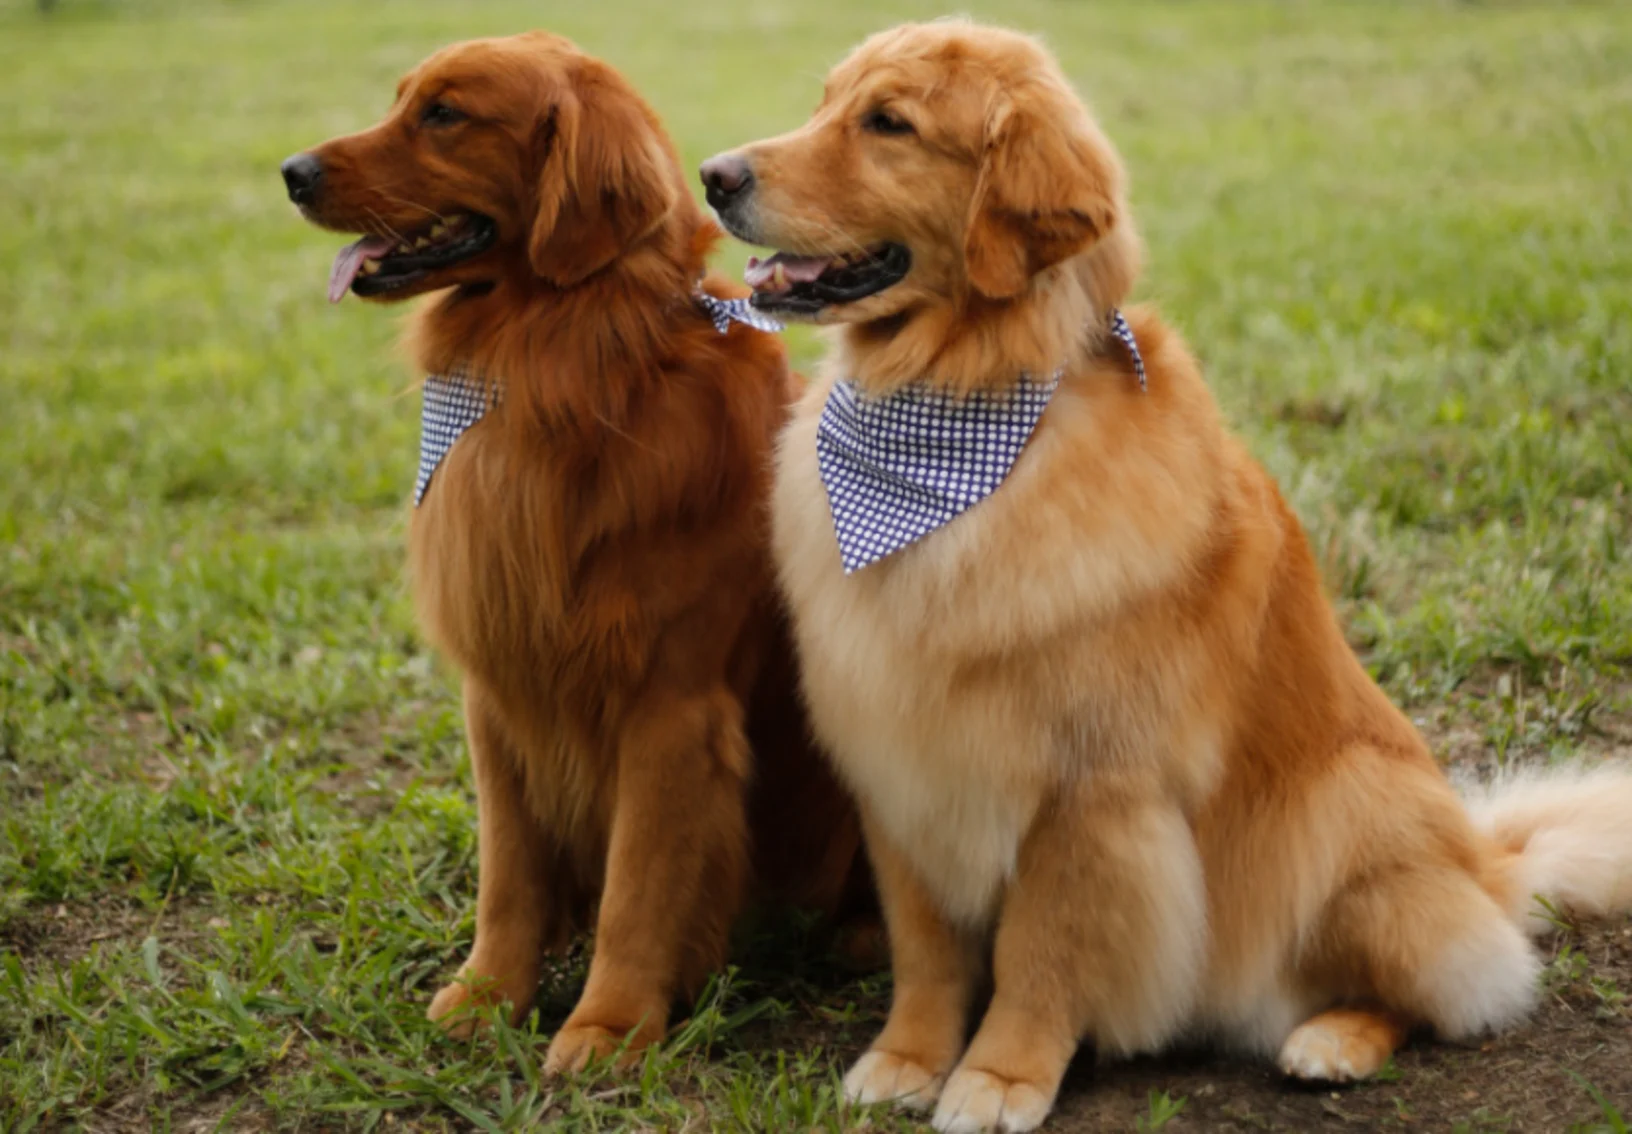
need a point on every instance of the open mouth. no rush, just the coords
(804, 285)
(375, 265)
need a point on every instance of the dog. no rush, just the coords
(592, 550)
(1109, 744)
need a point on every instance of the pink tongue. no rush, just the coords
(795, 269)
(349, 261)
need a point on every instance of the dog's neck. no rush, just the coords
(975, 343)
(573, 357)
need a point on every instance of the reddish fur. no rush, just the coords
(592, 554)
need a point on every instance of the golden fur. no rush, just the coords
(593, 553)
(1104, 728)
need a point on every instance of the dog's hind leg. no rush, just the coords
(1433, 946)
(511, 910)
(676, 872)
(1343, 1044)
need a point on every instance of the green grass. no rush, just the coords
(1613, 1122)
(236, 830)
(1163, 1109)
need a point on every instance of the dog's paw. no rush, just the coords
(452, 1008)
(975, 1101)
(883, 1076)
(1338, 1047)
(575, 1046)
(461, 1007)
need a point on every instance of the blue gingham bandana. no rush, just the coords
(724, 312)
(1120, 328)
(898, 467)
(455, 402)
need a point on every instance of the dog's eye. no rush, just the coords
(883, 122)
(441, 114)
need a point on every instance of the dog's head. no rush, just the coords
(499, 156)
(947, 163)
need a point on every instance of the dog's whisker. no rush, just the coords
(389, 230)
(843, 238)
(426, 209)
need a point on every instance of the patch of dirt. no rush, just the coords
(1516, 1083)
(210, 1115)
(55, 935)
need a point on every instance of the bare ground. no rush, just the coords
(1519, 1082)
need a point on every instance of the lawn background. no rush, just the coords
(236, 829)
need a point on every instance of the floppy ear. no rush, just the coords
(1046, 191)
(604, 181)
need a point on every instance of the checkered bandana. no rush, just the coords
(724, 312)
(455, 402)
(898, 467)
(1120, 328)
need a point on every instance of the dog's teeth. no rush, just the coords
(422, 242)
(370, 267)
(439, 231)
(779, 276)
(404, 247)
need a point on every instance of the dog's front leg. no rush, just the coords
(1103, 933)
(503, 966)
(676, 871)
(935, 966)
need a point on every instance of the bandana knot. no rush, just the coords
(724, 312)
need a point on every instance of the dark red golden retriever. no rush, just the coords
(592, 552)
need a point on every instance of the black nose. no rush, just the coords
(302, 174)
(727, 178)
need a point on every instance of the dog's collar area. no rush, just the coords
(455, 401)
(900, 466)
(895, 468)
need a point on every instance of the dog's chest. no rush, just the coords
(488, 553)
(953, 787)
(954, 773)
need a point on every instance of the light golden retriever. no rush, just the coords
(593, 552)
(1106, 733)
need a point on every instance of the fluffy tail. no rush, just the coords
(1570, 834)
